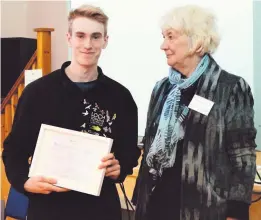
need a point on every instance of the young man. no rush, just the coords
(80, 97)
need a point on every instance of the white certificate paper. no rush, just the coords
(71, 157)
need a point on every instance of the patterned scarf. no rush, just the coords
(162, 153)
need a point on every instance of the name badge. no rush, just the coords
(201, 105)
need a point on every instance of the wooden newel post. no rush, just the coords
(44, 49)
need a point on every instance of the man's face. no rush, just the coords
(87, 41)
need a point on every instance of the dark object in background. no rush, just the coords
(15, 54)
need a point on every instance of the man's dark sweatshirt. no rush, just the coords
(106, 108)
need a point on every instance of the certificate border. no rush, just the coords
(46, 128)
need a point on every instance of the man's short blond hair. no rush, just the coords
(91, 12)
(197, 23)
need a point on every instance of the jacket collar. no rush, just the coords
(70, 85)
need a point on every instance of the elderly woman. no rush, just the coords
(199, 143)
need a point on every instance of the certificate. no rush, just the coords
(70, 157)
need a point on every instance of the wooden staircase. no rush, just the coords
(41, 59)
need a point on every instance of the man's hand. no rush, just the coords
(113, 168)
(42, 185)
(232, 218)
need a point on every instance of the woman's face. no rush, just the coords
(176, 47)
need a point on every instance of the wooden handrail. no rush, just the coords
(18, 82)
(44, 29)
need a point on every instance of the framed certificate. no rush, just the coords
(70, 157)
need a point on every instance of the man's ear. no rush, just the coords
(69, 38)
(106, 38)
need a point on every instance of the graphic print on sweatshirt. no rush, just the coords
(95, 120)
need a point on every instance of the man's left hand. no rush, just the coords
(232, 218)
(113, 168)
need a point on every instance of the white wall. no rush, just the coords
(13, 22)
(51, 14)
(133, 55)
(19, 18)
(257, 68)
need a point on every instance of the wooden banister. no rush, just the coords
(20, 90)
(41, 59)
(8, 119)
(19, 81)
(44, 49)
(2, 129)
(14, 101)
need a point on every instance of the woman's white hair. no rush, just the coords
(197, 23)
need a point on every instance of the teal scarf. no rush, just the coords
(162, 153)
